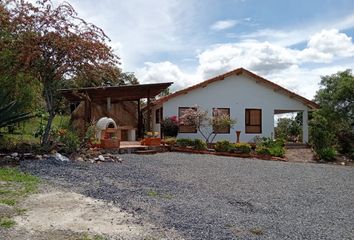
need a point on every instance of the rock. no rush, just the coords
(342, 163)
(60, 157)
(39, 157)
(15, 154)
(79, 159)
(100, 157)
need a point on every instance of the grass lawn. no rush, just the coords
(14, 186)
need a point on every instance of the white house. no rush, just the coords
(250, 99)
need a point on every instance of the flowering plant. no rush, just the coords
(170, 126)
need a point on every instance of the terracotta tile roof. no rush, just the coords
(239, 71)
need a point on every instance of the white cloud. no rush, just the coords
(298, 34)
(265, 57)
(332, 42)
(258, 56)
(166, 72)
(282, 65)
(223, 24)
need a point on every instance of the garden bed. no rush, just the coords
(227, 154)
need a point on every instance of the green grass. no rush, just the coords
(7, 222)
(10, 202)
(15, 184)
(152, 193)
(23, 136)
(155, 194)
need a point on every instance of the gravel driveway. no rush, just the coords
(213, 197)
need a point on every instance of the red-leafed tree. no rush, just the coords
(53, 44)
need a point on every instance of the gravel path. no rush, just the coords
(212, 197)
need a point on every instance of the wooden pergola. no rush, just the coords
(116, 94)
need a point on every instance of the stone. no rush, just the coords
(15, 154)
(60, 157)
(342, 163)
(79, 159)
(100, 157)
(39, 157)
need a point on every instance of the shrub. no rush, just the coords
(170, 141)
(169, 127)
(184, 142)
(223, 146)
(327, 154)
(345, 142)
(321, 135)
(263, 150)
(242, 148)
(199, 144)
(70, 141)
(277, 151)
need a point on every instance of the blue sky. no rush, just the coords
(291, 43)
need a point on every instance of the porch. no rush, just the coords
(100, 102)
(304, 126)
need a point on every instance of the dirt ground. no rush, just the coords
(304, 155)
(59, 214)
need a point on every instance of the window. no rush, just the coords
(159, 115)
(221, 111)
(253, 120)
(185, 128)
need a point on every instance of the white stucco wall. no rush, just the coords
(237, 93)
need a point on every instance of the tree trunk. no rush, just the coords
(49, 99)
(45, 138)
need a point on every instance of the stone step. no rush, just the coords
(149, 151)
(297, 146)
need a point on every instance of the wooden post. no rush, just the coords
(148, 118)
(108, 104)
(139, 121)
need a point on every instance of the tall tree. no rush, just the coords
(53, 44)
(334, 121)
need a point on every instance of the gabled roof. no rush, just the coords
(239, 71)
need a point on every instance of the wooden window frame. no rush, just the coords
(229, 128)
(158, 115)
(179, 111)
(247, 112)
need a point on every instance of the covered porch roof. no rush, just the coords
(115, 93)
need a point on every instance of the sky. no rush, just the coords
(292, 43)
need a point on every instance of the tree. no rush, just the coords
(288, 129)
(52, 44)
(333, 123)
(206, 125)
(106, 75)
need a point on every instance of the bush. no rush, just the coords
(345, 142)
(70, 141)
(169, 127)
(263, 150)
(268, 146)
(277, 151)
(170, 141)
(223, 146)
(242, 148)
(199, 144)
(321, 136)
(184, 142)
(327, 154)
